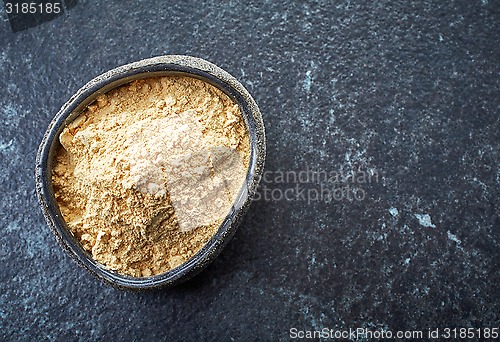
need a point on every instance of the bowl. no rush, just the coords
(158, 66)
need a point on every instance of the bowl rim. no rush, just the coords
(146, 68)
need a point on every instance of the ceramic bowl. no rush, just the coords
(157, 66)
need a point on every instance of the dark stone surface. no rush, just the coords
(408, 92)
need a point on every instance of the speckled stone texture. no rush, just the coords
(405, 91)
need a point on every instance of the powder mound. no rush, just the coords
(146, 174)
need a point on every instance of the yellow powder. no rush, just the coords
(146, 174)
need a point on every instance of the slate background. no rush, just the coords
(408, 89)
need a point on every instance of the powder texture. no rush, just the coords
(146, 174)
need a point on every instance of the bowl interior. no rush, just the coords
(75, 106)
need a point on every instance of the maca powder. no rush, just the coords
(147, 173)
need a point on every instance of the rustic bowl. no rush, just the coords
(157, 66)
